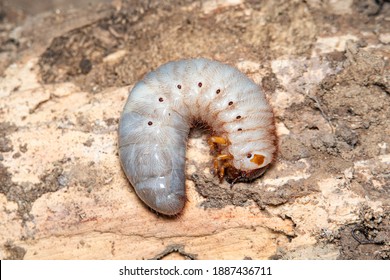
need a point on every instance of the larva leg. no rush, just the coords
(217, 161)
(216, 166)
(220, 168)
(224, 157)
(217, 169)
(218, 140)
(213, 143)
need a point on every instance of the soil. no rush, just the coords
(65, 75)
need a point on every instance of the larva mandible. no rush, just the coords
(159, 112)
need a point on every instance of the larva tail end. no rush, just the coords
(171, 205)
(172, 208)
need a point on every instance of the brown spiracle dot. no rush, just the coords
(240, 129)
(230, 103)
(199, 84)
(249, 155)
(238, 117)
(179, 86)
(150, 123)
(218, 91)
(161, 99)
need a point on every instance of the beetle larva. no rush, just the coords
(157, 117)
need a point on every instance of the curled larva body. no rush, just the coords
(157, 117)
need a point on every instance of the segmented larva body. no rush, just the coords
(157, 117)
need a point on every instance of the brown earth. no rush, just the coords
(65, 76)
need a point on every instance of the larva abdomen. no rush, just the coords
(153, 157)
(155, 123)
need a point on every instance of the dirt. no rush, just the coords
(324, 67)
(369, 237)
(14, 252)
(5, 143)
(78, 56)
(218, 195)
(25, 194)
